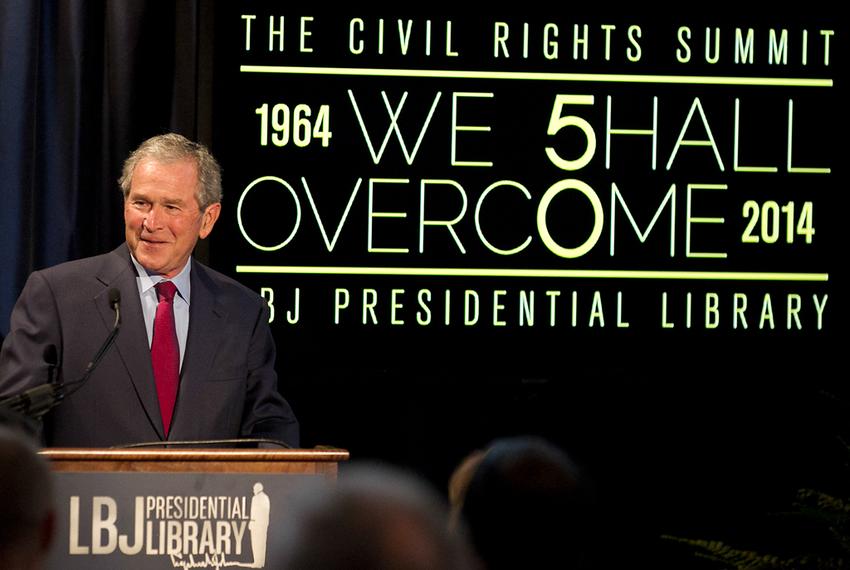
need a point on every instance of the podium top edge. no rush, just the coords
(233, 455)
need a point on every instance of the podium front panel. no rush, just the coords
(187, 509)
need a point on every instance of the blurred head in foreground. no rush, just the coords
(26, 504)
(527, 505)
(376, 518)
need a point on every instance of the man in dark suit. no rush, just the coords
(195, 363)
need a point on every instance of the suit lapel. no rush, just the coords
(206, 330)
(132, 341)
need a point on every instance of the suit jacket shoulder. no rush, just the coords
(51, 299)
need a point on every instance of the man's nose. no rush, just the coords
(153, 219)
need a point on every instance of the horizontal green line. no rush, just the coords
(541, 76)
(548, 273)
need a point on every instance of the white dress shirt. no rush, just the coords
(146, 282)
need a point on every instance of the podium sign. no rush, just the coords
(176, 509)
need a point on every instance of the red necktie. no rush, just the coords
(165, 352)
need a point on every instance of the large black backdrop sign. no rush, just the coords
(624, 234)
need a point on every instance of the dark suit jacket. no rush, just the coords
(228, 384)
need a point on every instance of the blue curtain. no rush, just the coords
(82, 83)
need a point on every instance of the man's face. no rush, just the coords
(162, 218)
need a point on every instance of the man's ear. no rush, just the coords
(210, 216)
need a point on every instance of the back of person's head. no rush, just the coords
(26, 504)
(527, 505)
(375, 518)
(458, 485)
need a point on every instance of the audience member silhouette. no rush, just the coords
(458, 484)
(527, 505)
(26, 506)
(376, 518)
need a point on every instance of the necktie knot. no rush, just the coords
(165, 291)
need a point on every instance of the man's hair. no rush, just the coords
(27, 499)
(528, 503)
(172, 147)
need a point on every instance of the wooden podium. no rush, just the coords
(177, 508)
(305, 461)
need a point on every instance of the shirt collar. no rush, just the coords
(148, 279)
